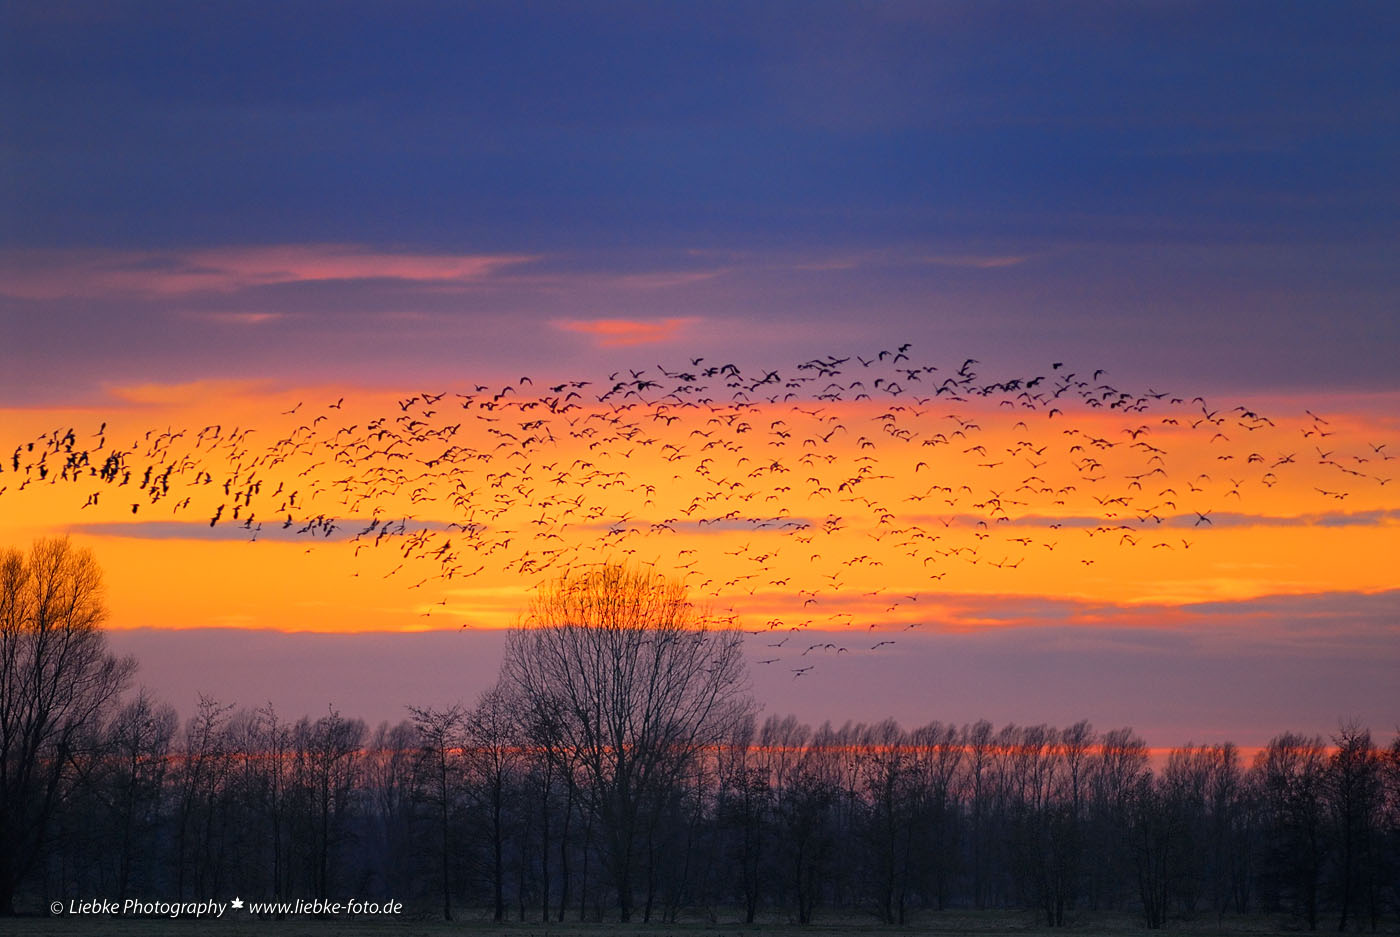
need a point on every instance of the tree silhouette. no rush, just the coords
(1354, 791)
(326, 767)
(56, 682)
(441, 735)
(139, 741)
(493, 735)
(1292, 774)
(636, 680)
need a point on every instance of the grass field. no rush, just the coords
(945, 924)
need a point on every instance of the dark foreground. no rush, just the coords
(954, 924)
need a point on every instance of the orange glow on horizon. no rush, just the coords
(356, 510)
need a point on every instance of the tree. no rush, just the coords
(889, 774)
(1115, 772)
(138, 739)
(204, 765)
(1354, 791)
(636, 680)
(1291, 773)
(395, 769)
(326, 767)
(941, 756)
(1155, 827)
(806, 814)
(744, 811)
(57, 680)
(440, 732)
(492, 734)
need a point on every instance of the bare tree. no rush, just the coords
(139, 739)
(493, 735)
(807, 816)
(744, 811)
(393, 775)
(441, 736)
(637, 681)
(1387, 857)
(326, 765)
(888, 768)
(548, 757)
(276, 748)
(56, 682)
(941, 756)
(1354, 791)
(981, 755)
(1291, 773)
(1116, 772)
(204, 764)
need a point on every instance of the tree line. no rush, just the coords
(619, 770)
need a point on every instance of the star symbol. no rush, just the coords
(236, 904)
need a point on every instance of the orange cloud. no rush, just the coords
(977, 262)
(192, 392)
(624, 333)
(51, 274)
(241, 318)
(903, 257)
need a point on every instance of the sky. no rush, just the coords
(219, 215)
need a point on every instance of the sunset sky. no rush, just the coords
(302, 218)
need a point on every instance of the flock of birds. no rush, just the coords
(837, 488)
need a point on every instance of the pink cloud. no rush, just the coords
(624, 333)
(50, 274)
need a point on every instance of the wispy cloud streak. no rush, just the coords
(625, 333)
(55, 274)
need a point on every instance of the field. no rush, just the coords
(948, 924)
